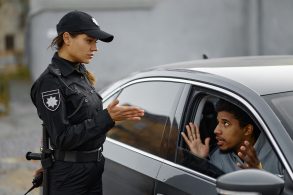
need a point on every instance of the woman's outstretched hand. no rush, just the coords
(194, 143)
(120, 113)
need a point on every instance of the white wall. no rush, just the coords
(276, 27)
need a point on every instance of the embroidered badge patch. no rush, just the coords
(51, 99)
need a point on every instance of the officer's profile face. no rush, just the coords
(80, 48)
(229, 134)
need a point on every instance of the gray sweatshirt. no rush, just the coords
(227, 162)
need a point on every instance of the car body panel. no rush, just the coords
(257, 72)
(256, 77)
(137, 166)
(206, 75)
(172, 176)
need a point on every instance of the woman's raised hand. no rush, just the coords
(120, 113)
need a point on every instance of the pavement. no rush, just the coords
(20, 132)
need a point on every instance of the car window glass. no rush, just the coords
(282, 104)
(158, 100)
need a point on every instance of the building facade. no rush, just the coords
(153, 32)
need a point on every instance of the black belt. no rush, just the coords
(79, 156)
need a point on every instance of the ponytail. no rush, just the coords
(58, 41)
(91, 77)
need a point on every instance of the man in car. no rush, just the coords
(240, 145)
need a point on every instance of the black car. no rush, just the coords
(150, 156)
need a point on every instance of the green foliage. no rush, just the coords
(21, 73)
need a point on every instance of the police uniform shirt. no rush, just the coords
(69, 107)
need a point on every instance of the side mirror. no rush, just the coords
(249, 182)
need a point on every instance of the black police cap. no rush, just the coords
(77, 21)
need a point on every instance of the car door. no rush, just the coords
(175, 178)
(135, 150)
(188, 174)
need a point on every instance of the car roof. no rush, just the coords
(263, 74)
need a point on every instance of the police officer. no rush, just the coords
(71, 109)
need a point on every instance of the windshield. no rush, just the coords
(282, 104)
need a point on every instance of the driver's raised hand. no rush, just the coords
(249, 156)
(193, 141)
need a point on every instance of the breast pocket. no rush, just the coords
(77, 107)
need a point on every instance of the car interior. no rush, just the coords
(205, 116)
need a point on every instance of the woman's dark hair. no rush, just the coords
(243, 118)
(58, 42)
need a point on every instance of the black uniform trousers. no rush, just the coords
(72, 178)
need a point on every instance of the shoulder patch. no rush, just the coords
(51, 99)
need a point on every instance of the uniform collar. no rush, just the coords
(66, 67)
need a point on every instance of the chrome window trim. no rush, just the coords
(209, 86)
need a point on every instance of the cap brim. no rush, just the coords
(100, 35)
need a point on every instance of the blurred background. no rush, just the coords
(147, 33)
